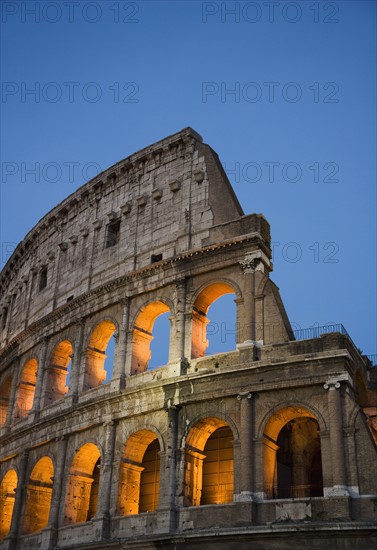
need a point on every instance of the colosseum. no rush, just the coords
(271, 445)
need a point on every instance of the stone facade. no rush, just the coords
(250, 447)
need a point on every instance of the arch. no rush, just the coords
(83, 484)
(207, 295)
(57, 372)
(142, 333)
(5, 388)
(38, 496)
(209, 463)
(26, 388)
(8, 488)
(99, 338)
(292, 454)
(139, 473)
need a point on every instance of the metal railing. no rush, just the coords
(315, 332)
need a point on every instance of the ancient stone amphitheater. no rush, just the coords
(270, 445)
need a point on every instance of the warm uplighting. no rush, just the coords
(142, 335)
(292, 455)
(199, 316)
(26, 389)
(95, 373)
(57, 372)
(4, 399)
(38, 496)
(139, 474)
(209, 463)
(7, 496)
(83, 483)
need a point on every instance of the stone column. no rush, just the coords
(353, 482)
(252, 263)
(103, 509)
(16, 524)
(168, 481)
(177, 343)
(53, 521)
(76, 359)
(39, 386)
(247, 466)
(336, 439)
(33, 273)
(12, 395)
(129, 345)
(121, 347)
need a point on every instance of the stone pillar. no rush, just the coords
(12, 394)
(53, 521)
(121, 346)
(177, 340)
(336, 439)
(259, 481)
(252, 263)
(10, 541)
(353, 485)
(39, 386)
(76, 360)
(32, 282)
(168, 481)
(103, 509)
(247, 466)
(129, 344)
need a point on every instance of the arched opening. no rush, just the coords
(142, 335)
(38, 496)
(160, 342)
(95, 372)
(221, 331)
(26, 389)
(83, 484)
(4, 399)
(209, 463)
(7, 497)
(139, 474)
(57, 372)
(292, 455)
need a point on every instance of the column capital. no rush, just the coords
(331, 385)
(255, 261)
(245, 395)
(125, 301)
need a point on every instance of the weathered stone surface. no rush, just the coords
(272, 436)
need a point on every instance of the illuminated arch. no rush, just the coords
(209, 463)
(204, 299)
(292, 454)
(57, 372)
(38, 496)
(26, 388)
(7, 497)
(83, 483)
(139, 474)
(4, 398)
(142, 334)
(95, 372)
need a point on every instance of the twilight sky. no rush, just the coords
(283, 91)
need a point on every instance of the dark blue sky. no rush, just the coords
(283, 91)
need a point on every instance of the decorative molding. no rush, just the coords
(175, 186)
(255, 261)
